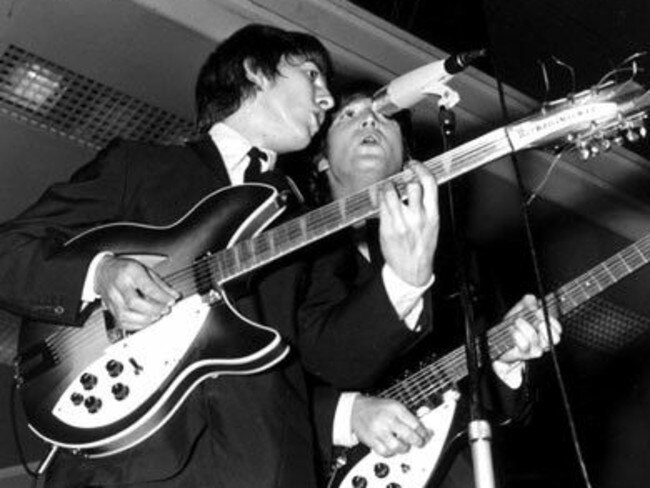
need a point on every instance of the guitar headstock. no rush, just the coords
(589, 122)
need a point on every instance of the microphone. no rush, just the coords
(411, 88)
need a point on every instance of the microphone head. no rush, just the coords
(457, 63)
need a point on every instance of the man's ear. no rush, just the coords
(253, 74)
(323, 164)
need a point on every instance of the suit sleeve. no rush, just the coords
(324, 400)
(349, 331)
(506, 404)
(46, 276)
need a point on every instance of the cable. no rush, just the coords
(14, 429)
(535, 261)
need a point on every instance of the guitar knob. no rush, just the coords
(93, 404)
(584, 153)
(359, 482)
(120, 391)
(76, 398)
(381, 470)
(114, 368)
(88, 381)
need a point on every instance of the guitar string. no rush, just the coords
(606, 271)
(500, 335)
(437, 163)
(447, 370)
(454, 363)
(322, 217)
(619, 265)
(328, 215)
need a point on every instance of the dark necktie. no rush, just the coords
(254, 168)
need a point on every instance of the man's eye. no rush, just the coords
(313, 74)
(346, 114)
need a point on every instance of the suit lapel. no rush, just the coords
(209, 154)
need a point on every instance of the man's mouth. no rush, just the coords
(370, 139)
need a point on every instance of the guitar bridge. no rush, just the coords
(213, 297)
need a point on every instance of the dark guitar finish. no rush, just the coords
(90, 390)
(429, 385)
(52, 357)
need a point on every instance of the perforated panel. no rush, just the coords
(604, 326)
(39, 92)
(9, 325)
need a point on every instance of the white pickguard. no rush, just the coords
(147, 358)
(414, 468)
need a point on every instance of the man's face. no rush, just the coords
(362, 148)
(295, 103)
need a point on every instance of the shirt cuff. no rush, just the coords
(512, 374)
(405, 298)
(342, 434)
(88, 291)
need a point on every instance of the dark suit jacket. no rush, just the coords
(343, 271)
(339, 270)
(234, 431)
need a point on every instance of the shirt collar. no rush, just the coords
(233, 148)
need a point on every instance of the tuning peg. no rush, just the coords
(631, 135)
(643, 132)
(584, 153)
(605, 144)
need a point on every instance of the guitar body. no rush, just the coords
(88, 390)
(416, 468)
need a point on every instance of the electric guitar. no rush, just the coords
(431, 391)
(95, 391)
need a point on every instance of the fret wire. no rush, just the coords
(460, 166)
(598, 278)
(636, 254)
(229, 262)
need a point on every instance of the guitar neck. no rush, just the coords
(440, 375)
(290, 236)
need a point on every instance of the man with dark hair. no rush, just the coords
(224, 81)
(265, 91)
(359, 148)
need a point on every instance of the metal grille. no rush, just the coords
(604, 326)
(9, 324)
(36, 91)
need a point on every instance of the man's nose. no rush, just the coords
(324, 98)
(369, 118)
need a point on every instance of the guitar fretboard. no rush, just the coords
(607, 108)
(440, 375)
(290, 236)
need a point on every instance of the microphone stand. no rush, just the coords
(478, 429)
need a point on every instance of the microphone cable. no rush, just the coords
(566, 404)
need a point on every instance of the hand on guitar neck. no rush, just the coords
(409, 228)
(387, 427)
(529, 335)
(133, 293)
